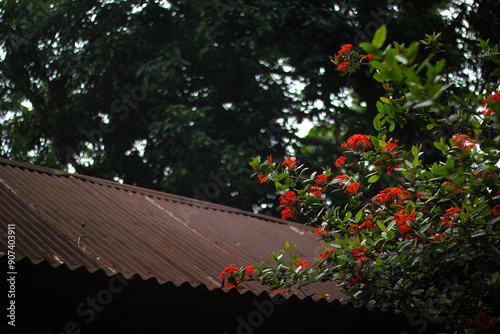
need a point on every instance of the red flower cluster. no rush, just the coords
(262, 178)
(357, 142)
(321, 179)
(228, 271)
(342, 66)
(290, 163)
(303, 263)
(403, 219)
(340, 161)
(320, 183)
(288, 200)
(395, 195)
(487, 112)
(326, 253)
(287, 213)
(319, 230)
(352, 188)
(388, 168)
(368, 224)
(451, 184)
(391, 147)
(358, 254)
(341, 178)
(356, 278)
(463, 142)
(495, 97)
(438, 237)
(369, 57)
(481, 320)
(316, 191)
(344, 48)
(249, 271)
(496, 210)
(450, 215)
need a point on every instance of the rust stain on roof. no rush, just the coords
(84, 221)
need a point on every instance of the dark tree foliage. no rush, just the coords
(180, 95)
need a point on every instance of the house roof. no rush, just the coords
(96, 256)
(84, 221)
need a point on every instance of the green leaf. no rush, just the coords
(379, 38)
(354, 244)
(442, 147)
(279, 186)
(287, 245)
(358, 216)
(382, 226)
(371, 49)
(373, 178)
(376, 122)
(478, 233)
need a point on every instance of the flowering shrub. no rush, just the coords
(417, 237)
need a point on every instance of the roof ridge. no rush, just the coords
(141, 190)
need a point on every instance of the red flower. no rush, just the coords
(326, 253)
(396, 195)
(262, 178)
(450, 215)
(358, 254)
(319, 230)
(341, 178)
(288, 198)
(369, 57)
(249, 271)
(481, 320)
(463, 142)
(495, 97)
(280, 291)
(290, 163)
(228, 271)
(451, 184)
(352, 188)
(355, 279)
(239, 287)
(487, 112)
(303, 263)
(321, 179)
(368, 224)
(357, 142)
(340, 161)
(438, 237)
(287, 213)
(343, 67)
(391, 169)
(402, 219)
(316, 191)
(496, 210)
(390, 147)
(345, 47)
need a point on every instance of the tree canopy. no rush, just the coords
(180, 95)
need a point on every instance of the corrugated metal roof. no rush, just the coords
(99, 224)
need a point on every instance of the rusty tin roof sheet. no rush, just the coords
(85, 221)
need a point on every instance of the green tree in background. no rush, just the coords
(180, 95)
